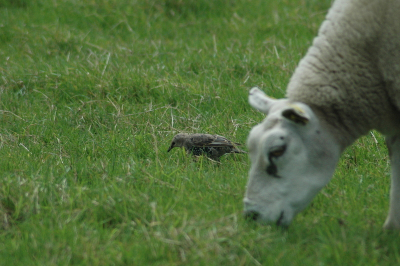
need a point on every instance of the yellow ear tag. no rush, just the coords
(298, 109)
(296, 114)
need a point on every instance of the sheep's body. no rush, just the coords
(347, 84)
(351, 74)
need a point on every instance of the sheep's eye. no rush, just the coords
(277, 151)
(274, 152)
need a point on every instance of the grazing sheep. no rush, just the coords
(347, 84)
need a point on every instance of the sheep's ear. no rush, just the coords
(260, 101)
(296, 115)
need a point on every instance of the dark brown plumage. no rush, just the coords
(213, 146)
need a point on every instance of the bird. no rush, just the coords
(213, 146)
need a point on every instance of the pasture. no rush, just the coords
(91, 94)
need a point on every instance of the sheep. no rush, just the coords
(347, 84)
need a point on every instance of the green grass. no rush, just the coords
(91, 94)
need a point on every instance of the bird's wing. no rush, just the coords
(201, 140)
(210, 140)
(224, 142)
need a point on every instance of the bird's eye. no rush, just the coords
(173, 143)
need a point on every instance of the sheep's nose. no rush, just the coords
(251, 215)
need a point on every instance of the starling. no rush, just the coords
(214, 146)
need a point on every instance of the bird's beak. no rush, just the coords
(170, 148)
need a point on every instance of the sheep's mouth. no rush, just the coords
(251, 215)
(280, 219)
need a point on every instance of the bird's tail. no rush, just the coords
(236, 150)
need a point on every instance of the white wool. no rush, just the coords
(351, 72)
(347, 84)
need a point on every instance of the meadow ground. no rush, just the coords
(91, 94)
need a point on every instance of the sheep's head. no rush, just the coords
(292, 158)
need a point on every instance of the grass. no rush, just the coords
(92, 93)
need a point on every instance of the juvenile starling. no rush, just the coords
(213, 146)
